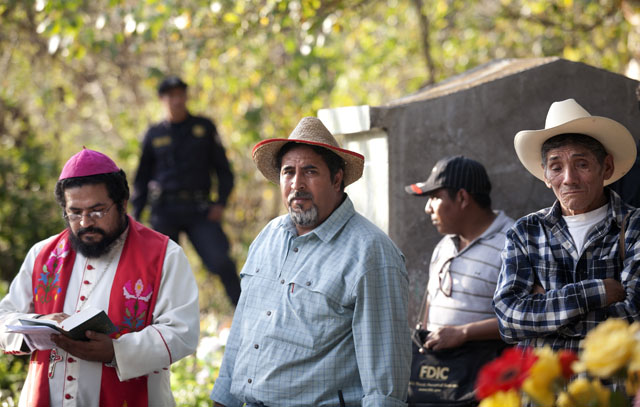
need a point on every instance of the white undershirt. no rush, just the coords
(581, 225)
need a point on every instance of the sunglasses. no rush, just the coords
(445, 279)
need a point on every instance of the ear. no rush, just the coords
(463, 197)
(337, 180)
(125, 204)
(608, 167)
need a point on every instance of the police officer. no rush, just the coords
(178, 158)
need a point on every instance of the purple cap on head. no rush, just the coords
(88, 162)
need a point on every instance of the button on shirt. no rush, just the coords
(318, 313)
(540, 250)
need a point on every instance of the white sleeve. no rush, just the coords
(18, 303)
(176, 323)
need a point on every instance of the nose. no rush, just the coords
(428, 209)
(86, 220)
(297, 182)
(570, 176)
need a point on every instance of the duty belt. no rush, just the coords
(185, 195)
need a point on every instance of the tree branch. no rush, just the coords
(511, 12)
(426, 47)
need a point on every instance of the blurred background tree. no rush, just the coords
(76, 73)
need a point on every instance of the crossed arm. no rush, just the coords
(527, 310)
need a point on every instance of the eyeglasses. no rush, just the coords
(93, 215)
(444, 278)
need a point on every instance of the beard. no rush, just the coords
(300, 217)
(99, 248)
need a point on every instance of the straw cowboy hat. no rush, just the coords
(309, 131)
(568, 116)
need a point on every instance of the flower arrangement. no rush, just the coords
(607, 373)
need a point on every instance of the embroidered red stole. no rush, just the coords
(131, 303)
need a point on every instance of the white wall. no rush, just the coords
(370, 194)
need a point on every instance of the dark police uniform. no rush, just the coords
(174, 176)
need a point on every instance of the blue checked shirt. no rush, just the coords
(539, 250)
(318, 313)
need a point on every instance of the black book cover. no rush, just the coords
(99, 322)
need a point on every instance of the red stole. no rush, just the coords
(131, 303)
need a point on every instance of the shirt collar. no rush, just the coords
(167, 123)
(495, 227)
(330, 227)
(616, 210)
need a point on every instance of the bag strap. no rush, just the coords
(423, 315)
(415, 333)
(621, 246)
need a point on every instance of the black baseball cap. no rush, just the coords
(170, 82)
(458, 172)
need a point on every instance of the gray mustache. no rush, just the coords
(299, 194)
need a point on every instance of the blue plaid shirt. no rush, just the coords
(318, 313)
(539, 250)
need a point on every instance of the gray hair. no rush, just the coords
(565, 139)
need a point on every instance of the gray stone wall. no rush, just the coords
(480, 123)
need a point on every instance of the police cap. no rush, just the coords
(170, 82)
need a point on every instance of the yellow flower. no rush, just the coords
(581, 392)
(542, 375)
(634, 365)
(632, 383)
(509, 398)
(607, 348)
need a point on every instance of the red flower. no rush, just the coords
(506, 372)
(566, 358)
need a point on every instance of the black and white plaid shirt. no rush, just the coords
(540, 251)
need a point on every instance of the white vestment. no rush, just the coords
(172, 335)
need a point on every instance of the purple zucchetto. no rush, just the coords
(88, 162)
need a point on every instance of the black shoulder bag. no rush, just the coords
(446, 377)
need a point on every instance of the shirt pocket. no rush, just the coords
(163, 151)
(316, 309)
(195, 152)
(254, 274)
(604, 268)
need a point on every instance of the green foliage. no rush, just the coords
(13, 372)
(85, 72)
(76, 73)
(27, 209)
(13, 369)
(192, 378)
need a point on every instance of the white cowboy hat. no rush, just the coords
(309, 131)
(568, 116)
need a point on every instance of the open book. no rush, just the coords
(37, 331)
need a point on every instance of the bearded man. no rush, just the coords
(322, 316)
(103, 259)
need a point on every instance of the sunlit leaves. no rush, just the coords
(86, 72)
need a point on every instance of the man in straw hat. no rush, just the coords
(322, 318)
(571, 266)
(104, 260)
